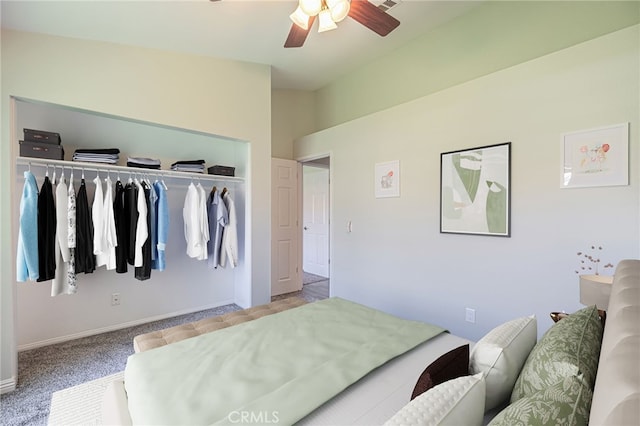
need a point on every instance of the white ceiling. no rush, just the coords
(246, 30)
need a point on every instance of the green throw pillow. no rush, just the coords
(568, 402)
(570, 348)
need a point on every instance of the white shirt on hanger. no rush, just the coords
(203, 222)
(191, 223)
(97, 216)
(110, 238)
(60, 283)
(142, 232)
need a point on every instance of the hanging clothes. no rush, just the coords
(196, 224)
(230, 235)
(143, 272)
(218, 218)
(203, 222)
(46, 232)
(85, 260)
(27, 262)
(153, 221)
(71, 235)
(60, 283)
(131, 211)
(162, 227)
(122, 228)
(109, 234)
(97, 218)
(142, 230)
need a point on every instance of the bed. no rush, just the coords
(378, 391)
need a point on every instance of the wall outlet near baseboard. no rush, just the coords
(470, 315)
(115, 299)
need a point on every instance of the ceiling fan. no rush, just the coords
(331, 11)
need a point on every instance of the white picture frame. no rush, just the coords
(387, 179)
(595, 157)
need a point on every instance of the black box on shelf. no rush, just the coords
(31, 135)
(222, 170)
(41, 150)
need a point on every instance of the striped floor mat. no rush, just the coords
(80, 405)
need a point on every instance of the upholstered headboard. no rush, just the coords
(616, 397)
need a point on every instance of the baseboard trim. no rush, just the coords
(8, 385)
(93, 332)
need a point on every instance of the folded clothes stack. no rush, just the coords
(105, 155)
(193, 166)
(143, 163)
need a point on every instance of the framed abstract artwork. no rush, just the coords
(475, 191)
(595, 157)
(387, 179)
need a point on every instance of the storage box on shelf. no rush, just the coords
(41, 144)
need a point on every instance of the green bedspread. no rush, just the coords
(275, 369)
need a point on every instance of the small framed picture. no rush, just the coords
(475, 191)
(387, 179)
(595, 157)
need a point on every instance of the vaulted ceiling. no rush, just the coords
(253, 31)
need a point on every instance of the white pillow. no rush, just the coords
(500, 355)
(455, 402)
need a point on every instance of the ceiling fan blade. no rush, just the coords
(372, 17)
(297, 35)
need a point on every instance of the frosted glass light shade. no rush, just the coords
(325, 21)
(300, 18)
(310, 7)
(595, 290)
(339, 9)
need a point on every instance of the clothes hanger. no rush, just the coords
(213, 190)
(224, 191)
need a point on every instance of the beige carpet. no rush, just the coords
(80, 405)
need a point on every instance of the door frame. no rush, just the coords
(301, 161)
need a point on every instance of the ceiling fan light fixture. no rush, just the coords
(339, 9)
(310, 7)
(325, 22)
(300, 18)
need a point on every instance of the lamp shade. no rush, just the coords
(595, 290)
(325, 22)
(300, 18)
(310, 7)
(339, 9)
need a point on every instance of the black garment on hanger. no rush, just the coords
(46, 232)
(122, 228)
(144, 272)
(85, 259)
(131, 217)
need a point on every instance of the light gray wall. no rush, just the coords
(396, 259)
(151, 86)
(292, 116)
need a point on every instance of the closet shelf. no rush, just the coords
(97, 167)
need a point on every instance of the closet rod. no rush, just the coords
(97, 167)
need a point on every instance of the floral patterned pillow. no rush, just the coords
(570, 348)
(567, 402)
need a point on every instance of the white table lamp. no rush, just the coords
(595, 290)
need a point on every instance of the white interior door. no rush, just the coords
(285, 274)
(315, 213)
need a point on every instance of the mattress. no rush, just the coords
(370, 401)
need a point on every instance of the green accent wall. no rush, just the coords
(494, 36)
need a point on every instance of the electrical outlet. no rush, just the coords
(470, 315)
(115, 299)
